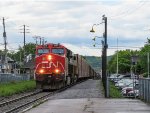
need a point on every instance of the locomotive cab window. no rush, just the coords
(59, 51)
(43, 51)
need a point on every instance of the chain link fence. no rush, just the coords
(145, 89)
(6, 78)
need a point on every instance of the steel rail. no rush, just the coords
(23, 105)
(16, 99)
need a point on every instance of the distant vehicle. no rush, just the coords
(115, 77)
(127, 76)
(119, 77)
(129, 90)
(133, 93)
(126, 90)
(123, 83)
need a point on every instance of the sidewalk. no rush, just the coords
(92, 105)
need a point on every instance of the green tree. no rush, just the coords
(124, 61)
(19, 55)
(143, 57)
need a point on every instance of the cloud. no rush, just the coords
(83, 50)
(69, 22)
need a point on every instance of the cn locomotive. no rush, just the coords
(57, 66)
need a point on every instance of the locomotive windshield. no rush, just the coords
(43, 51)
(59, 51)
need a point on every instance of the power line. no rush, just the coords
(124, 47)
(128, 11)
(127, 46)
(24, 32)
(24, 35)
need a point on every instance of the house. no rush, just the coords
(8, 65)
(29, 64)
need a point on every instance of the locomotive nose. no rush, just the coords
(50, 64)
(49, 57)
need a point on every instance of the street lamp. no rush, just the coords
(104, 54)
(96, 44)
(96, 37)
(92, 30)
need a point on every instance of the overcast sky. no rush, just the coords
(69, 22)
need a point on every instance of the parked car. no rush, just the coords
(116, 77)
(123, 83)
(119, 77)
(125, 90)
(129, 91)
(113, 76)
(133, 93)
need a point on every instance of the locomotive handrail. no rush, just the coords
(36, 69)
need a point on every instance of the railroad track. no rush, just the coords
(19, 98)
(30, 100)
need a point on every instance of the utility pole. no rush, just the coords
(36, 37)
(4, 35)
(24, 31)
(24, 36)
(40, 38)
(43, 41)
(117, 56)
(104, 71)
(103, 77)
(148, 63)
(5, 43)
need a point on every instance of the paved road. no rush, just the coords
(87, 97)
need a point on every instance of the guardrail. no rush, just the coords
(6, 77)
(145, 90)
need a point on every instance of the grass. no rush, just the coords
(16, 87)
(114, 92)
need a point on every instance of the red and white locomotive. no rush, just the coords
(57, 66)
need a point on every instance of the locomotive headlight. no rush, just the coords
(49, 57)
(57, 71)
(41, 71)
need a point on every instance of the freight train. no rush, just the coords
(57, 66)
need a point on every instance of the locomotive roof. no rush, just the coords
(51, 45)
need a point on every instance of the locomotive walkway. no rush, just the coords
(88, 97)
